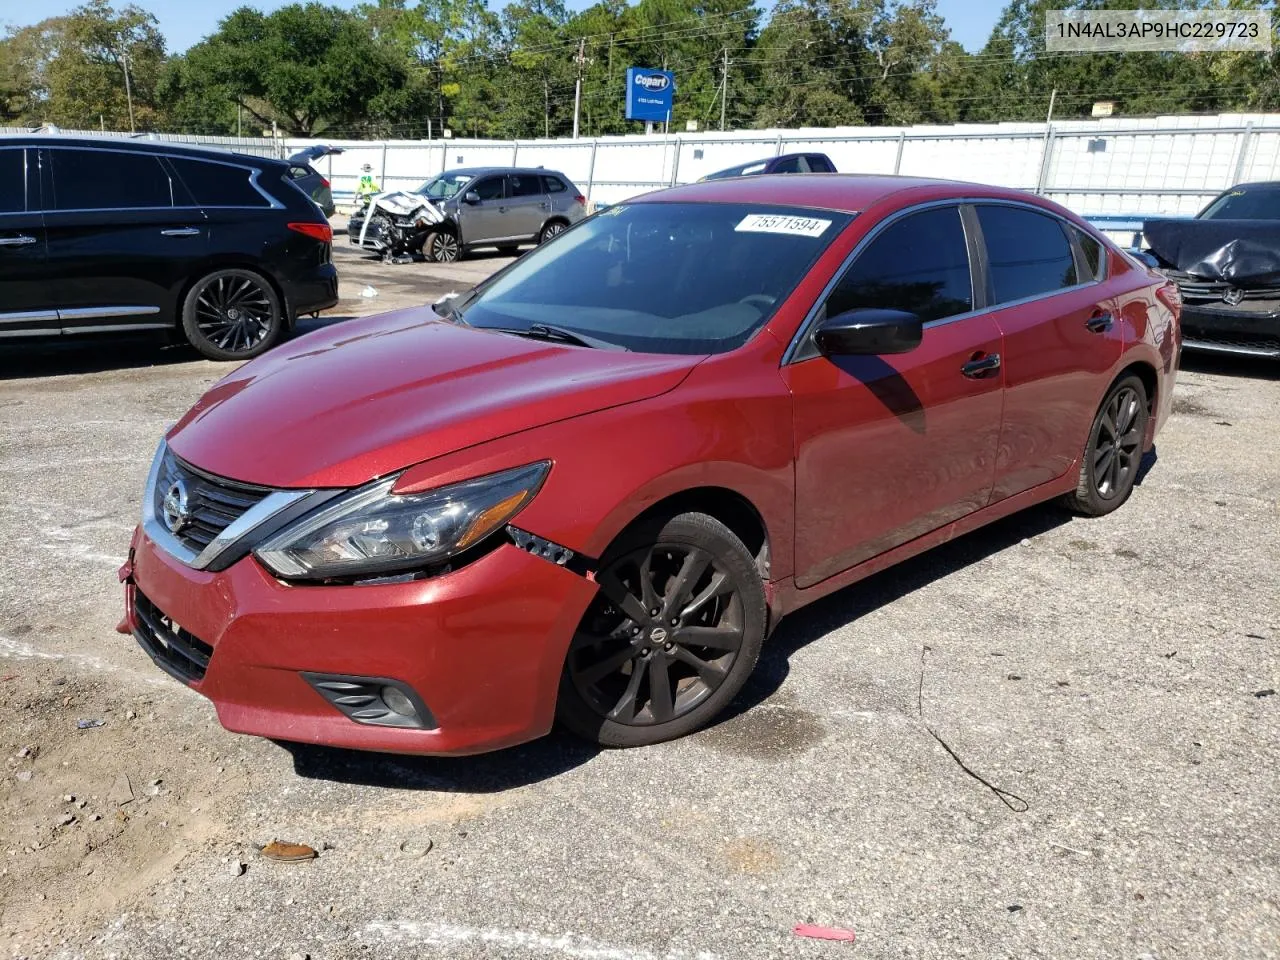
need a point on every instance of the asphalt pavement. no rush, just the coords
(1049, 738)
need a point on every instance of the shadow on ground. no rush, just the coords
(1251, 368)
(65, 356)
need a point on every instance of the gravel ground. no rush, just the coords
(1049, 738)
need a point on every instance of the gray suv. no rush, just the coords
(499, 207)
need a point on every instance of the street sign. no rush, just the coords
(649, 94)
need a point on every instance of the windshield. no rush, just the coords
(745, 169)
(662, 277)
(444, 186)
(1245, 204)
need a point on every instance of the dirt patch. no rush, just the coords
(93, 809)
(767, 733)
(1191, 407)
(751, 855)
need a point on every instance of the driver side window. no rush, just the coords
(919, 264)
(490, 188)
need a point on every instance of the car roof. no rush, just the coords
(484, 171)
(1256, 185)
(134, 145)
(845, 192)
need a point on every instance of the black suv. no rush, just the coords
(103, 235)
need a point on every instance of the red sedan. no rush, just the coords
(590, 488)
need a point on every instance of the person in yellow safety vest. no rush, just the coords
(368, 186)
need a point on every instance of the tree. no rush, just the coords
(95, 66)
(308, 68)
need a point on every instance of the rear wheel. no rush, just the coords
(443, 247)
(1113, 453)
(551, 230)
(232, 315)
(670, 638)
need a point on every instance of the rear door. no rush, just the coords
(527, 206)
(123, 238)
(27, 297)
(889, 448)
(1061, 340)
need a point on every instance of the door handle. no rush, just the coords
(180, 232)
(16, 241)
(982, 366)
(1099, 324)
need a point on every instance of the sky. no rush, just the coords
(185, 22)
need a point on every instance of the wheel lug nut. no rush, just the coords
(675, 621)
(654, 612)
(671, 646)
(635, 631)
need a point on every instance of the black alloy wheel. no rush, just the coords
(232, 315)
(443, 247)
(1113, 454)
(551, 231)
(671, 637)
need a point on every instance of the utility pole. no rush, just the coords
(580, 59)
(724, 87)
(1052, 97)
(128, 88)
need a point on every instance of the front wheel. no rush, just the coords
(670, 638)
(1113, 453)
(443, 247)
(232, 315)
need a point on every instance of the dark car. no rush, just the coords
(787, 163)
(591, 487)
(111, 236)
(501, 207)
(1226, 263)
(309, 180)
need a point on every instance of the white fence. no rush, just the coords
(1158, 165)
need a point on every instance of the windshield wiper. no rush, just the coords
(545, 331)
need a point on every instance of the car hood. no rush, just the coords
(362, 399)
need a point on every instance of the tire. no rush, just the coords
(700, 576)
(233, 315)
(1113, 452)
(551, 230)
(443, 247)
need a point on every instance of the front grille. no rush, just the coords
(1231, 343)
(212, 504)
(1198, 289)
(175, 650)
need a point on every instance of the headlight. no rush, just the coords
(374, 531)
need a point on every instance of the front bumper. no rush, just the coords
(482, 646)
(1252, 328)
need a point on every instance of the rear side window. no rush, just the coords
(1027, 253)
(13, 181)
(525, 185)
(107, 180)
(919, 264)
(820, 164)
(554, 185)
(221, 184)
(299, 173)
(1095, 264)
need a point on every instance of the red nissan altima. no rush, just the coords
(590, 488)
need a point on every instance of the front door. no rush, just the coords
(123, 237)
(27, 297)
(526, 205)
(889, 448)
(484, 221)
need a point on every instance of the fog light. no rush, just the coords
(395, 698)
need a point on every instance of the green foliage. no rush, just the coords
(404, 67)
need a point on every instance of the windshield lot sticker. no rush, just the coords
(773, 223)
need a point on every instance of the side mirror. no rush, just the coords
(471, 197)
(869, 331)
